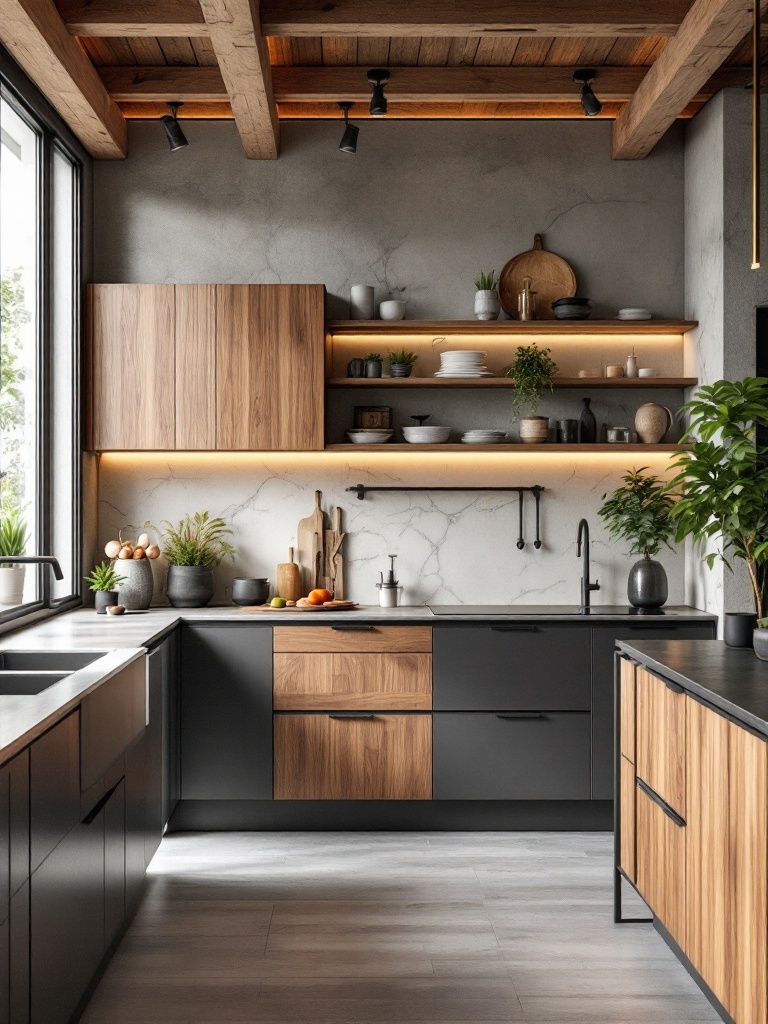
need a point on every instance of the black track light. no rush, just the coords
(176, 137)
(378, 77)
(589, 101)
(348, 142)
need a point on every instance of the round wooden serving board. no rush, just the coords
(551, 278)
(334, 606)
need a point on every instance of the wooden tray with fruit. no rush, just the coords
(316, 601)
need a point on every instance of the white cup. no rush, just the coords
(361, 302)
(392, 309)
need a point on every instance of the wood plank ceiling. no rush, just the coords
(287, 59)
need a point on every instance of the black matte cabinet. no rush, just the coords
(54, 780)
(521, 667)
(226, 712)
(114, 863)
(604, 639)
(14, 890)
(510, 756)
(157, 667)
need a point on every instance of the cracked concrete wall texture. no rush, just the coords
(422, 207)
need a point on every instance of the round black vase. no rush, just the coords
(647, 584)
(189, 586)
(738, 628)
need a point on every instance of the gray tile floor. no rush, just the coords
(389, 927)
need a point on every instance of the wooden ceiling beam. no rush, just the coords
(116, 18)
(709, 33)
(35, 36)
(241, 52)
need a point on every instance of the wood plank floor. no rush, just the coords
(389, 927)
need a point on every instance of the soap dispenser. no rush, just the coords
(389, 588)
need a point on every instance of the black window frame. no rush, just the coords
(27, 101)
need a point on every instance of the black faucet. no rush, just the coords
(42, 559)
(586, 586)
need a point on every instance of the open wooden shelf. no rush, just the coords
(585, 383)
(517, 448)
(502, 328)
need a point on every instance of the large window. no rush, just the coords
(40, 275)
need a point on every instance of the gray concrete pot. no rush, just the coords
(760, 641)
(135, 592)
(104, 599)
(189, 586)
(647, 584)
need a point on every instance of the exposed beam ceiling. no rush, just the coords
(241, 52)
(708, 34)
(34, 34)
(397, 18)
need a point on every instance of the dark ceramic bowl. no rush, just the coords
(246, 590)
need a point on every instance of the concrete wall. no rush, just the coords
(422, 207)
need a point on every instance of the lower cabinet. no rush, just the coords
(628, 818)
(353, 756)
(516, 755)
(660, 857)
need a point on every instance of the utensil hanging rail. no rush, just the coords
(362, 489)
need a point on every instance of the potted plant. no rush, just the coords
(193, 547)
(640, 512)
(533, 371)
(373, 364)
(138, 584)
(487, 304)
(401, 363)
(13, 542)
(722, 483)
(104, 581)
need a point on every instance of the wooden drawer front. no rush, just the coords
(627, 819)
(627, 703)
(377, 757)
(661, 865)
(511, 667)
(372, 682)
(660, 738)
(511, 757)
(353, 639)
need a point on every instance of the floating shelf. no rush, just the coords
(516, 448)
(510, 327)
(585, 383)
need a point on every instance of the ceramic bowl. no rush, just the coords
(646, 371)
(426, 435)
(369, 436)
(392, 309)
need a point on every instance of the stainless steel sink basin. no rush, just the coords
(28, 684)
(47, 661)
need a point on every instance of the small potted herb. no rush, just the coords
(533, 371)
(192, 548)
(104, 581)
(487, 304)
(401, 363)
(373, 364)
(641, 513)
(13, 542)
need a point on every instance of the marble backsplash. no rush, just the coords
(452, 548)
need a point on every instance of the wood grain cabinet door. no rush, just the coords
(660, 737)
(341, 756)
(270, 358)
(132, 331)
(726, 861)
(371, 682)
(628, 818)
(195, 380)
(660, 864)
(627, 671)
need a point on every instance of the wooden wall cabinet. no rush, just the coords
(206, 367)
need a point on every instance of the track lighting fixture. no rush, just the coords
(589, 101)
(176, 137)
(348, 142)
(378, 77)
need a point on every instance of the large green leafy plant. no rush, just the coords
(722, 482)
(197, 540)
(533, 372)
(640, 513)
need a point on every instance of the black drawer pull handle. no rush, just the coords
(353, 629)
(653, 625)
(351, 715)
(653, 795)
(670, 685)
(94, 812)
(514, 716)
(515, 629)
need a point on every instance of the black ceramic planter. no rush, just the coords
(401, 369)
(760, 641)
(373, 368)
(249, 590)
(189, 586)
(647, 584)
(738, 628)
(104, 599)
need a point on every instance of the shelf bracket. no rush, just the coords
(362, 489)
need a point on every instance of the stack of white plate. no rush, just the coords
(463, 364)
(369, 435)
(634, 313)
(484, 437)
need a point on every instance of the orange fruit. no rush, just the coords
(319, 596)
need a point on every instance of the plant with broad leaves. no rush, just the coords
(533, 371)
(640, 512)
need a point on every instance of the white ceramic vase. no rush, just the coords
(361, 302)
(487, 304)
(12, 584)
(534, 429)
(392, 309)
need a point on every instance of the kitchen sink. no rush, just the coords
(47, 661)
(27, 684)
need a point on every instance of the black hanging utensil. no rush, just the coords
(537, 499)
(520, 541)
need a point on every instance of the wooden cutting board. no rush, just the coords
(332, 606)
(334, 560)
(288, 579)
(551, 278)
(310, 535)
